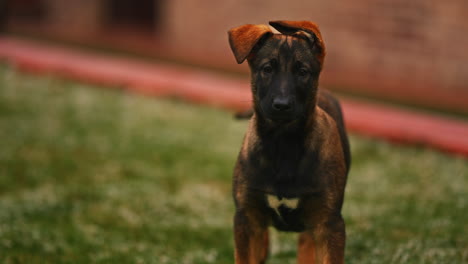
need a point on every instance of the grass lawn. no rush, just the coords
(93, 175)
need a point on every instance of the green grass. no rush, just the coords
(93, 175)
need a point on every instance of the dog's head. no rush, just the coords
(284, 67)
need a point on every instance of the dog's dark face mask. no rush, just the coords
(284, 67)
(284, 73)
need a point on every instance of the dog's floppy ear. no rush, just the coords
(304, 29)
(244, 38)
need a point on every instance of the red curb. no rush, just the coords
(404, 126)
(204, 87)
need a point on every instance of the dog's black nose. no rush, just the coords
(282, 104)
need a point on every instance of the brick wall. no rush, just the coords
(76, 16)
(413, 48)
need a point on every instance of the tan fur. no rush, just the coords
(289, 41)
(242, 39)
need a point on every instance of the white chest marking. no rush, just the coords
(275, 203)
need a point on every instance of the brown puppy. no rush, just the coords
(292, 168)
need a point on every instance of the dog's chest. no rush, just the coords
(283, 177)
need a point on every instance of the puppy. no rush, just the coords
(292, 168)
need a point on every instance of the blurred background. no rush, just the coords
(96, 175)
(405, 51)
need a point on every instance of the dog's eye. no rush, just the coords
(303, 72)
(267, 69)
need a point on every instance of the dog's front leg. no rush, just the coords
(251, 238)
(306, 248)
(329, 241)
